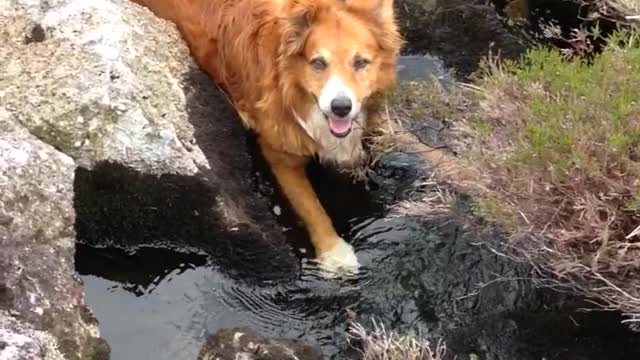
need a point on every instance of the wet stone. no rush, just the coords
(395, 173)
(245, 344)
(429, 132)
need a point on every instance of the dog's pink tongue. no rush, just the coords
(339, 126)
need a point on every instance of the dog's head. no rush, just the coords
(339, 53)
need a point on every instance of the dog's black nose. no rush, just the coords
(341, 106)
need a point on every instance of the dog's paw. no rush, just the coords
(340, 259)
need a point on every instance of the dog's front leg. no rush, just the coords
(289, 170)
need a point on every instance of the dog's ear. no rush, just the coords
(299, 17)
(378, 10)
(381, 15)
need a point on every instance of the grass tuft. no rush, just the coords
(624, 12)
(380, 344)
(549, 147)
(560, 142)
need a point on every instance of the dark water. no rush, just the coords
(157, 303)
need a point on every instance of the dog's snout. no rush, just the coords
(341, 106)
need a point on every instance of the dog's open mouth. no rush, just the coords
(340, 127)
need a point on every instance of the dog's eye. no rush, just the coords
(360, 63)
(319, 64)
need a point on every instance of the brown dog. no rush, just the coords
(306, 75)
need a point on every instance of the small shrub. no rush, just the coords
(560, 142)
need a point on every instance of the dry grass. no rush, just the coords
(555, 144)
(410, 105)
(559, 140)
(435, 200)
(379, 140)
(626, 12)
(380, 344)
(409, 100)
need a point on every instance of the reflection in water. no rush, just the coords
(415, 277)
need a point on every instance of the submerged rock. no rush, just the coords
(38, 286)
(245, 344)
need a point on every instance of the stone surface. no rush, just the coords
(25, 343)
(38, 285)
(114, 87)
(91, 79)
(109, 132)
(245, 344)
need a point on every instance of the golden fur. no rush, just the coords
(260, 52)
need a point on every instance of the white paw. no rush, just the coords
(341, 258)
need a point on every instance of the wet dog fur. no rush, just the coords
(306, 75)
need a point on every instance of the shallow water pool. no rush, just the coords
(158, 303)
